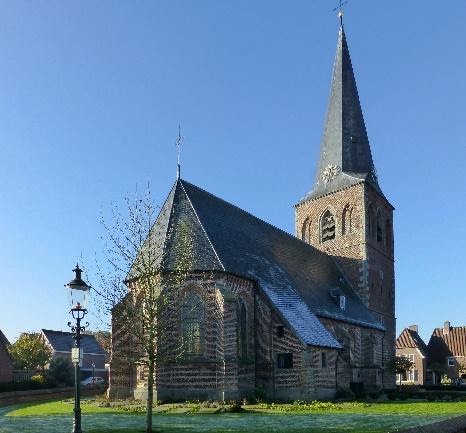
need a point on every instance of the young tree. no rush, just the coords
(61, 372)
(141, 284)
(30, 352)
(400, 365)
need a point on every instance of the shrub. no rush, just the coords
(38, 378)
(60, 372)
(358, 389)
(445, 380)
(345, 394)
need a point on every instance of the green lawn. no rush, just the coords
(55, 408)
(56, 417)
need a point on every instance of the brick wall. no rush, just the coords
(6, 367)
(419, 364)
(362, 250)
(220, 372)
(362, 356)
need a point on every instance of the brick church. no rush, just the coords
(289, 317)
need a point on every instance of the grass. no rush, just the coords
(54, 407)
(55, 417)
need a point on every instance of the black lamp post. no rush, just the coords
(79, 292)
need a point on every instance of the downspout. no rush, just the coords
(336, 369)
(383, 357)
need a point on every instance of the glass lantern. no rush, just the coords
(78, 291)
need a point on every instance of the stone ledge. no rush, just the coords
(452, 425)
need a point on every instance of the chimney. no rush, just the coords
(446, 328)
(414, 328)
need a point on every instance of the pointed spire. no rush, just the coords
(345, 154)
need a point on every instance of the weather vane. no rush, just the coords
(339, 8)
(179, 142)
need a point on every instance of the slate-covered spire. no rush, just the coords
(345, 154)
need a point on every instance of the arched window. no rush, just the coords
(346, 220)
(192, 321)
(305, 230)
(388, 234)
(371, 221)
(242, 330)
(379, 226)
(327, 226)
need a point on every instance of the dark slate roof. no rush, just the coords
(345, 144)
(63, 342)
(411, 339)
(3, 339)
(300, 281)
(442, 345)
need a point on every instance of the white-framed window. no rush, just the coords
(411, 357)
(451, 361)
(342, 302)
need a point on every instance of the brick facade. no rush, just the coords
(6, 366)
(362, 247)
(417, 374)
(220, 373)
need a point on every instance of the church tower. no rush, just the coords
(346, 213)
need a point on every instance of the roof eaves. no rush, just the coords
(341, 318)
(309, 197)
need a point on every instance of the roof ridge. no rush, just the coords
(165, 238)
(200, 222)
(251, 215)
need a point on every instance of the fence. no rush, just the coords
(23, 375)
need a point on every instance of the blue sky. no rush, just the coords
(92, 94)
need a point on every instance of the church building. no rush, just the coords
(268, 313)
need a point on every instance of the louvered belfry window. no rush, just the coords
(327, 226)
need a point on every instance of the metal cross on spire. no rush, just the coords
(339, 8)
(179, 142)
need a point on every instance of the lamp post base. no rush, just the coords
(77, 421)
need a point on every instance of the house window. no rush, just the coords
(323, 360)
(327, 226)
(242, 330)
(410, 376)
(285, 360)
(192, 318)
(411, 357)
(342, 302)
(416, 376)
(280, 331)
(451, 362)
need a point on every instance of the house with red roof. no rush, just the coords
(447, 353)
(410, 345)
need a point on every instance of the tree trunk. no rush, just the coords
(150, 394)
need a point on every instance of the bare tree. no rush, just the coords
(140, 284)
